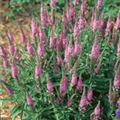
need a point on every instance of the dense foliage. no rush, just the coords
(68, 68)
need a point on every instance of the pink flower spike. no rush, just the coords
(37, 71)
(52, 42)
(5, 63)
(99, 4)
(30, 49)
(118, 21)
(63, 85)
(29, 100)
(97, 110)
(14, 70)
(3, 52)
(73, 80)
(90, 95)
(83, 6)
(49, 86)
(11, 49)
(79, 85)
(77, 48)
(52, 3)
(40, 50)
(95, 52)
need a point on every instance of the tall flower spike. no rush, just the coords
(29, 100)
(118, 49)
(63, 85)
(64, 19)
(97, 110)
(83, 6)
(90, 95)
(83, 102)
(70, 48)
(77, 48)
(52, 3)
(11, 49)
(95, 24)
(79, 85)
(76, 29)
(14, 70)
(49, 86)
(52, 42)
(109, 24)
(37, 71)
(5, 62)
(3, 52)
(59, 60)
(74, 79)
(99, 4)
(40, 50)
(43, 16)
(42, 36)
(64, 42)
(118, 21)
(81, 23)
(95, 49)
(30, 49)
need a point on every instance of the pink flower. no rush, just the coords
(109, 24)
(64, 42)
(52, 3)
(117, 81)
(69, 103)
(99, 4)
(42, 36)
(83, 6)
(95, 50)
(79, 85)
(43, 16)
(90, 95)
(3, 52)
(97, 110)
(37, 71)
(14, 70)
(83, 102)
(40, 50)
(50, 20)
(74, 79)
(77, 48)
(34, 28)
(11, 49)
(52, 42)
(59, 43)
(66, 55)
(70, 48)
(118, 48)
(59, 60)
(29, 49)
(76, 2)
(64, 19)
(5, 63)
(95, 24)
(118, 21)
(63, 85)
(49, 86)
(81, 23)
(76, 29)
(29, 100)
